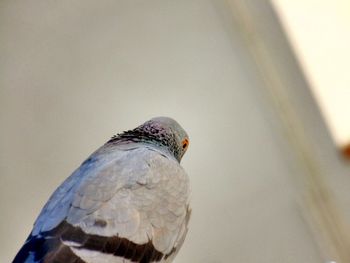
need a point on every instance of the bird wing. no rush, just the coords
(118, 205)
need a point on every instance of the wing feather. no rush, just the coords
(131, 203)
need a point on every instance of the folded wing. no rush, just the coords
(131, 206)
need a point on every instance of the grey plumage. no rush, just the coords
(128, 202)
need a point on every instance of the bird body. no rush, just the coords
(128, 202)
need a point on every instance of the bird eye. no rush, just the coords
(185, 143)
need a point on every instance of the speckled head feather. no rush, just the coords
(163, 132)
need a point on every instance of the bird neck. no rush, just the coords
(164, 144)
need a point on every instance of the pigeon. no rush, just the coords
(128, 202)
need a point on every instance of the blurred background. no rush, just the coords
(260, 87)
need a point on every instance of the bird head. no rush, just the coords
(162, 132)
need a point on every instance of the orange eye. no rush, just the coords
(185, 143)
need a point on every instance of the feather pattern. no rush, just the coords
(128, 202)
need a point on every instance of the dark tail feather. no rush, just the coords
(46, 250)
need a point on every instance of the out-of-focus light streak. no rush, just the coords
(319, 32)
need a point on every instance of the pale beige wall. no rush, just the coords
(75, 73)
